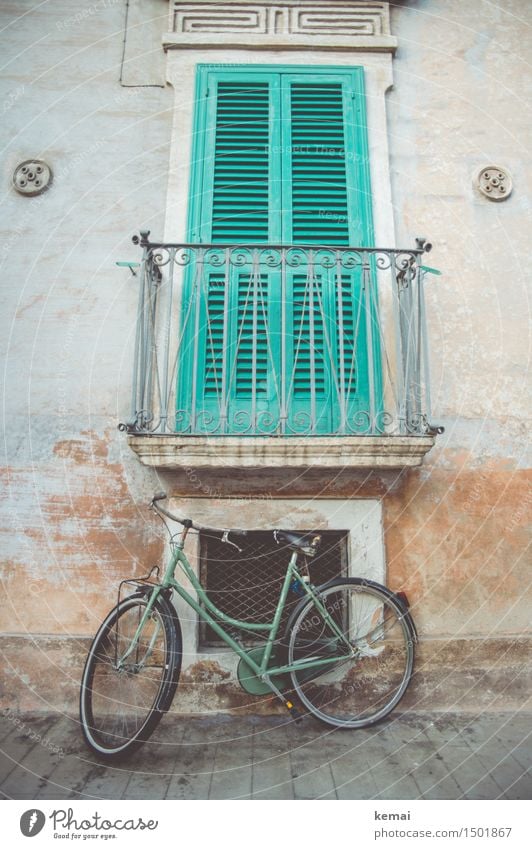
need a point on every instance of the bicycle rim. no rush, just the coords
(365, 681)
(119, 705)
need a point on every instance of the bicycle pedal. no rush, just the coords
(293, 711)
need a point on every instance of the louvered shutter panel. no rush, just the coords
(351, 326)
(214, 336)
(238, 188)
(240, 207)
(318, 214)
(252, 344)
(320, 211)
(309, 342)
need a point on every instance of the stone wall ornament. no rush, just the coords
(494, 182)
(287, 24)
(32, 177)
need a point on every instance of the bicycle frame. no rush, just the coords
(270, 629)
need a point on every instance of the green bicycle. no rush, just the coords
(347, 651)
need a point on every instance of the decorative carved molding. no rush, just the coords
(287, 24)
(201, 17)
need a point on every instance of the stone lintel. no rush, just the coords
(232, 41)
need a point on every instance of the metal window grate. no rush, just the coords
(246, 586)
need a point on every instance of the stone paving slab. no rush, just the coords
(272, 770)
(408, 756)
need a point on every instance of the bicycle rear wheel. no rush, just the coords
(121, 704)
(366, 679)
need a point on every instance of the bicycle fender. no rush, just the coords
(363, 582)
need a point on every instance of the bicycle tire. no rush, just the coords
(109, 698)
(352, 692)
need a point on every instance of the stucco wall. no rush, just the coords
(461, 100)
(71, 525)
(73, 521)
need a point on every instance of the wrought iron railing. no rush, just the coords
(280, 340)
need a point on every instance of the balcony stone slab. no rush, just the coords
(174, 451)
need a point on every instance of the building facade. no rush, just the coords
(277, 346)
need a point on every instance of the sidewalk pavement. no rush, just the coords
(408, 756)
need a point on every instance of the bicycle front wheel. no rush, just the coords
(121, 703)
(364, 650)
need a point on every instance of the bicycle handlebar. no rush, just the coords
(188, 523)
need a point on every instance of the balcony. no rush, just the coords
(280, 356)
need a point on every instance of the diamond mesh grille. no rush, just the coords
(246, 586)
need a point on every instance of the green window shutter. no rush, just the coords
(252, 344)
(235, 195)
(214, 333)
(280, 156)
(346, 348)
(351, 349)
(315, 183)
(308, 335)
(318, 180)
(242, 171)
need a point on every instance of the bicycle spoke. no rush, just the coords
(359, 689)
(121, 700)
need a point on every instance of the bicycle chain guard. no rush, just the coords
(251, 683)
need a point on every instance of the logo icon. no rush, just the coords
(32, 822)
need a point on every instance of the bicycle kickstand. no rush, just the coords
(286, 702)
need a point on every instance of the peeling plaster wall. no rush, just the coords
(73, 519)
(457, 531)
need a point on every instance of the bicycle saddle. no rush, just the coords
(306, 543)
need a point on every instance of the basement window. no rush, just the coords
(246, 585)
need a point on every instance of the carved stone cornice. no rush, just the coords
(287, 25)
